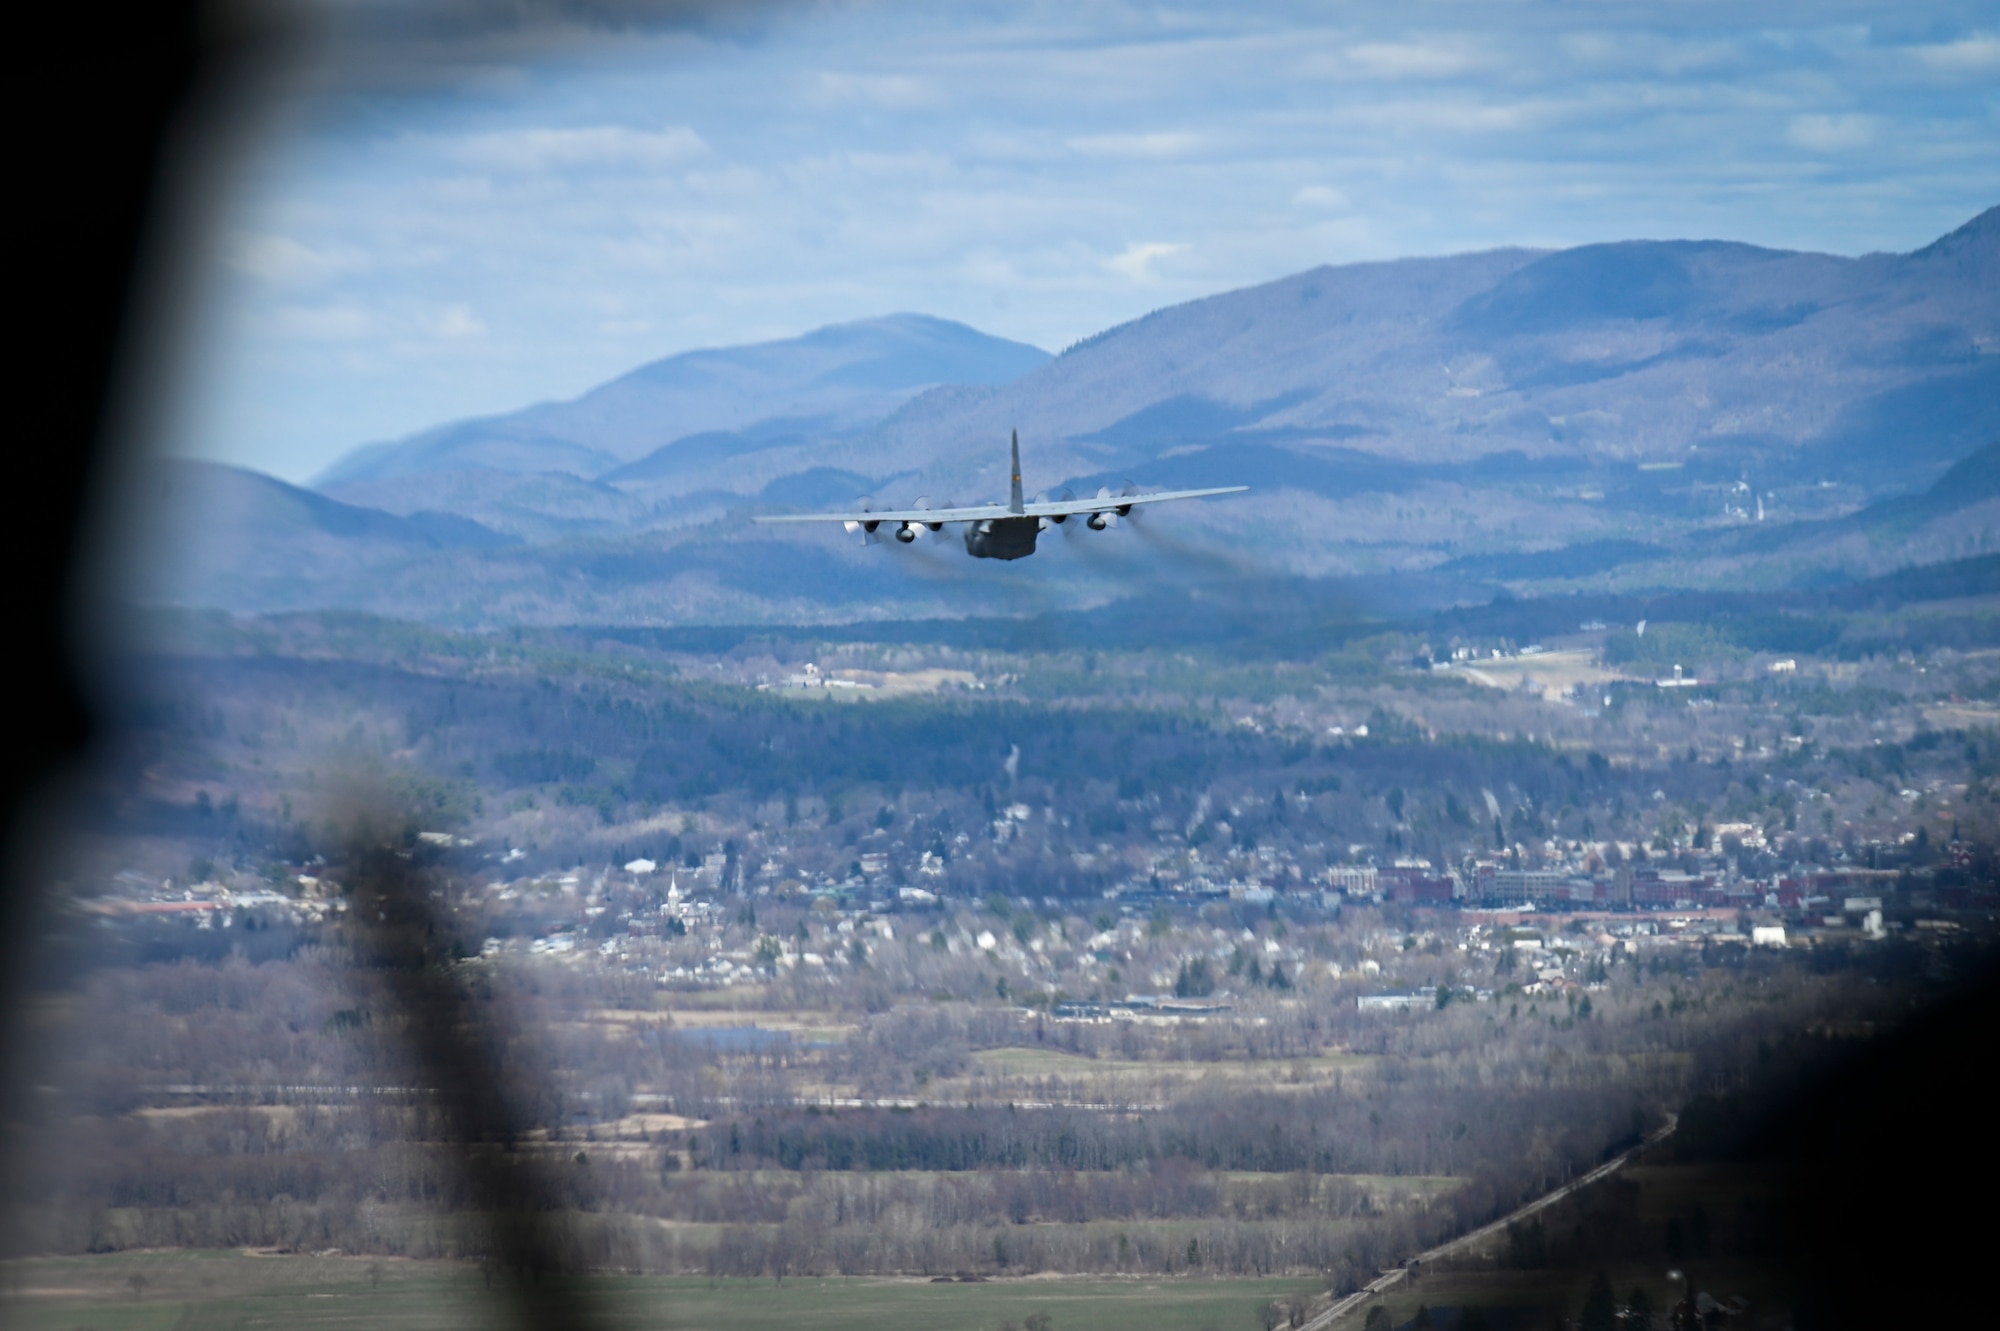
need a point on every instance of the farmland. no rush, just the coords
(235, 1289)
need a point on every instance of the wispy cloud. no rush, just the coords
(1159, 145)
(1838, 133)
(1432, 59)
(1977, 54)
(280, 258)
(405, 257)
(600, 146)
(896, 92)
(1319, 197)
(1452, 115)
(1137, 260)
(455, 322)
(322, 323)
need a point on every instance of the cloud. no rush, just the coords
(1647, 51)
(453, 323)
(1136, 263)
(609, 147)
(865, 157)
(280, 258)
(1967, 55)
(1319, 196)
(1825, 133)
(323, 323)
(989, 268)
(1412, 60)
(891, 92)
(1453, 116)
(1155, 146)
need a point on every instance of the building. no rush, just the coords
(1539, 886)
(1421, 998)
(1415, 885)
(1668, 888)
(1355, 880)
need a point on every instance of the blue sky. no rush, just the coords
(518, 217)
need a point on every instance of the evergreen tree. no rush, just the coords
(1527, 1245)
(1195, 980)
(1600, 1307)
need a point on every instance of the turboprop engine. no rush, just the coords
(996, 530)
(1113, 510)
(907, 532)
(866, 529)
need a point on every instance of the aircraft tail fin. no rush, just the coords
(1014, 500)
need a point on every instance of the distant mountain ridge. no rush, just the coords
(1635, 414)
(1634, 351)
(829, 379)
(223, 536)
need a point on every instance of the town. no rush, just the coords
(993, 963)
(712, 822)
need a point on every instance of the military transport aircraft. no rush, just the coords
(1000, 531)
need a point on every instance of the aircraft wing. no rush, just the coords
(1062, 508)
(973, 513)
(1052, 508)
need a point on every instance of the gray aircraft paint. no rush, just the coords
(994, 531)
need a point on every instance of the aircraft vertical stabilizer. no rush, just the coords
(997, 531)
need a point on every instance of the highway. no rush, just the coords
(1390, 1279)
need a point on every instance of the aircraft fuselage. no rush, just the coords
(1002, 538)
(996, 531)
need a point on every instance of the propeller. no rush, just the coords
(1106, 516)
(906, 531)
(866, 504)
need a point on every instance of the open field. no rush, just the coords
(904, 683)
(237, 1289)
(1552, 675)
(993, 1071)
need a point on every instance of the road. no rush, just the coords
(1390, 1279)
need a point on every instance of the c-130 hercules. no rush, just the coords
(1000, 531)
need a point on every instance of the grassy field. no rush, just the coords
(1022, 1071)
(144, 1291)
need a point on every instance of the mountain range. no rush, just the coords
(1645, 413)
